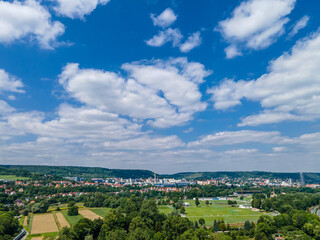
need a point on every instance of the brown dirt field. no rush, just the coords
(89, 214)
(62, 221)
(44, 223)
(25, 221)
(37, 238)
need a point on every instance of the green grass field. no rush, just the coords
(217, 210)
(72, 220)
(13, 177)
(100, 211)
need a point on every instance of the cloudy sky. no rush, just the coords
(163, 85)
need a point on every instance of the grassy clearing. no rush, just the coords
(100, 211)
(12, 177)
(165, 209)
(72, 220)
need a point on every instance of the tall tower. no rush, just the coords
(302, 179)
(155, 177)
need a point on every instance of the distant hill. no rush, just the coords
(96, 172)
(86, 172)
(309, 177)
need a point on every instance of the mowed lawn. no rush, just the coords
(12, 177)
(217, 210)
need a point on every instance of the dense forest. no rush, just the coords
(86, 172)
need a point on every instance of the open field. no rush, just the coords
(61, 220)
(89, 214)
(12, 177)
(100, 211)
(36, 238)
(72, 220)
(43, 223)
(216, 210)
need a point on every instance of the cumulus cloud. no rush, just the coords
(232, 51)
(256, 24)
(84, 123)
(290, 91)
(165, 19)
(28, 19)
(77, 8)
(165, 93)
(168, 35)
(193, 41)
(302, 23)
(9, 83)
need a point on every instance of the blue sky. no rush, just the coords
(168, 86)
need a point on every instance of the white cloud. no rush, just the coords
(163, 92)
(241, 151)
(237, 137)
(193, 41)
(290, 91)
(232, 51)
(165, 19)
(77, 8)
(255, 24)
(5, 108)
(19, 20)
(302, 23)
(168, 35)
(279, 149)
(9, 83)
(80, 124)
(146, 143)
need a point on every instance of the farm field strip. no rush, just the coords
(72, 220)
(25, 221)
(43, 223)
(37, 238)
(89, 214)
(62, 221)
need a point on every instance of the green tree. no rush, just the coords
(197, 202)
(73, 211)
(202, 221)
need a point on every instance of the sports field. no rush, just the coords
(216, 210)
